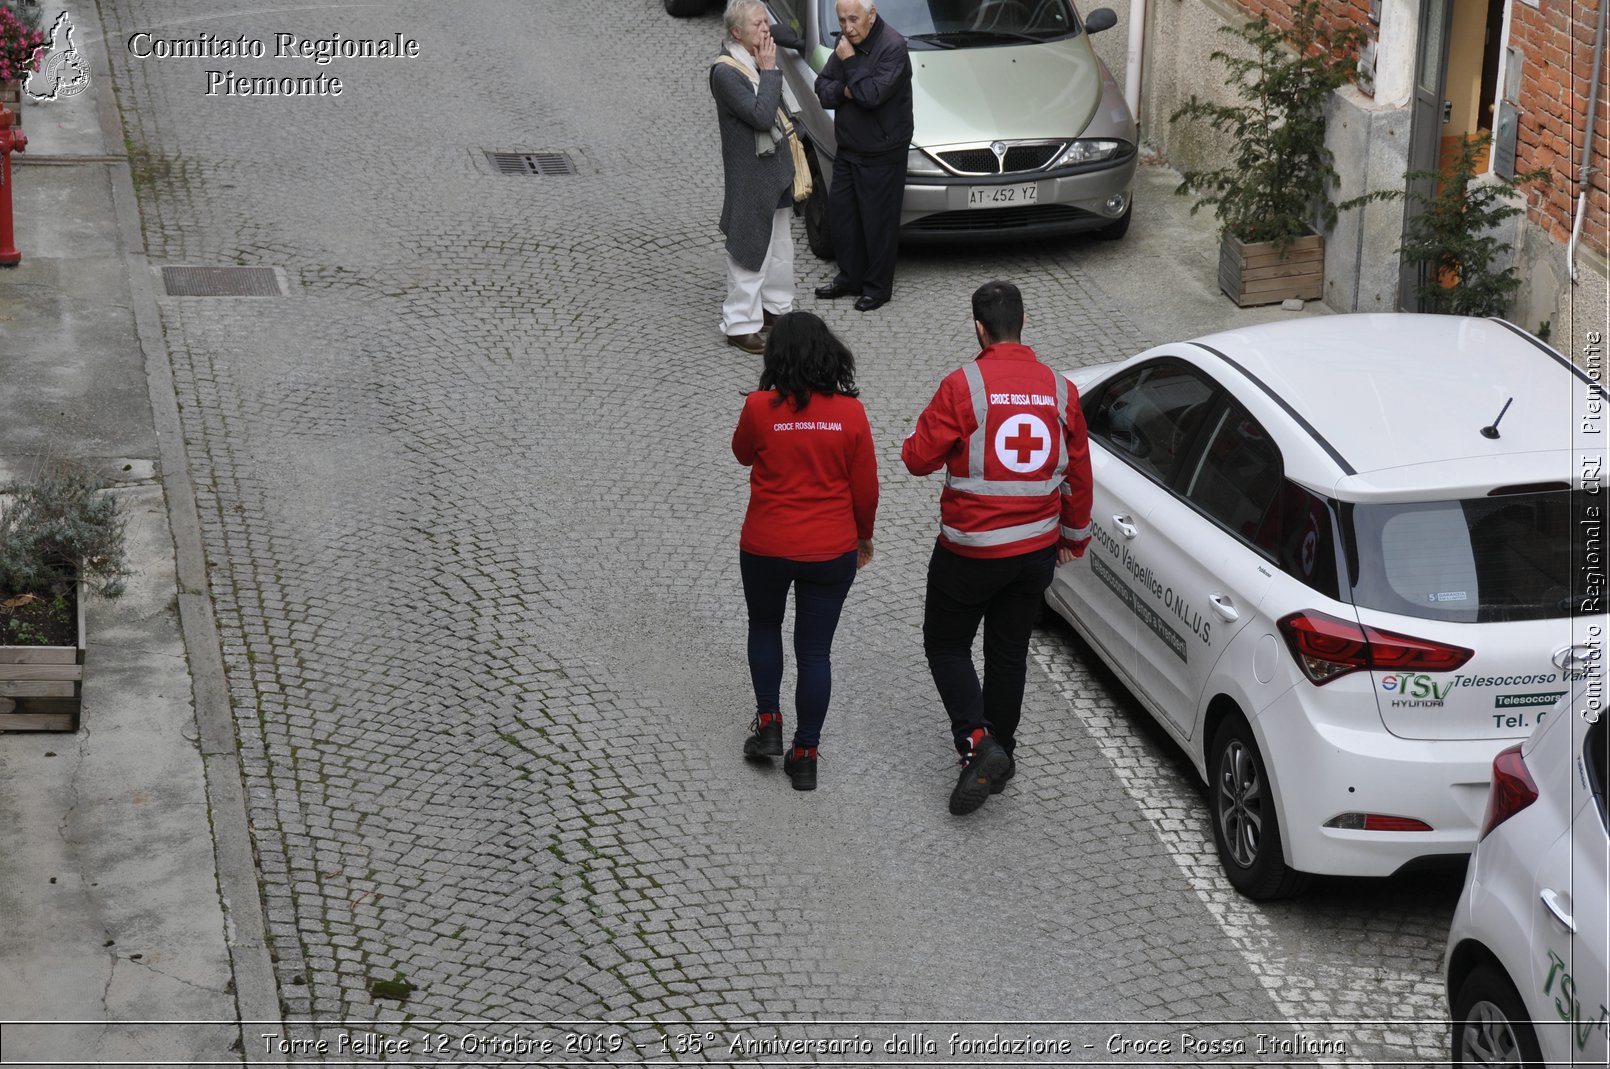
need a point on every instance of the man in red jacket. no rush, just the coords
(1011, 437)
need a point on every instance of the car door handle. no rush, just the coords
(1552, 901)
(1223, 606)
(1126, 525)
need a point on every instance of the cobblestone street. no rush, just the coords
(471, 518)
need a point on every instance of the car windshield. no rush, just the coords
(1524, 556)
(969, 23)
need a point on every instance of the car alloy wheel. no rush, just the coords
(1239, 796)
(1245, 827)
(1489, 1023)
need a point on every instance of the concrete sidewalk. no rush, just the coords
(127, 885)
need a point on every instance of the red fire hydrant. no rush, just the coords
(10, 141)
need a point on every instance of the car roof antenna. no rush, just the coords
(1492, 431)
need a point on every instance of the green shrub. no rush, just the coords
(58, 527)
(1277, 185)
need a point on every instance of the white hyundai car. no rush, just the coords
(1528, 954)
(1339, 560)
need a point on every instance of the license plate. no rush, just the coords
(1002, 196)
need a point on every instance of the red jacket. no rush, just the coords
(1010, 434)
(813, 480)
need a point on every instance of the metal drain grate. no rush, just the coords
(221, 282)
(533, 163)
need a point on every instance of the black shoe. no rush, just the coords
(765, 740)
(868, 304)
(987, 763)
(832, 291)
(800, 764)
(1000, 781)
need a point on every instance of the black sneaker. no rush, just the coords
(766, 736)
(986, 764)
(800, 764)
(1000, 781)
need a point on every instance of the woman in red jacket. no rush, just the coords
(813, 495)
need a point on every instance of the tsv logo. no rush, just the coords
(1415, 685)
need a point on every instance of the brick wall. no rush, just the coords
(1556, 40)
(1333, 12)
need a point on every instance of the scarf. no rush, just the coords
(765, 140)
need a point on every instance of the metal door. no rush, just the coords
(1425, 126)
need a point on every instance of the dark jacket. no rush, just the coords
(876, 117)
(754, 184)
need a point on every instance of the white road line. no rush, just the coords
(1309, 1002)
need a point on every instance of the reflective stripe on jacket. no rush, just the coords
(1010, 435)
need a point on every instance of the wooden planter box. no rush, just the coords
(11, 97)
(1257, 274)
(41, 687)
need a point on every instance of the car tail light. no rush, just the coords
(1513, 790)
(1327, 647)
(1376, 822)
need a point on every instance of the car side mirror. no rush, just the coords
(787, 38)
(1100, 19)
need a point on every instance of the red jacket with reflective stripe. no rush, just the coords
(1010, 434)
(813, 480)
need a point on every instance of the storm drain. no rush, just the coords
(533, 163)
(221, 282)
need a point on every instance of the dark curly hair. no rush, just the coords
(803, 357)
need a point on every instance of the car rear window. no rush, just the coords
(1598, 751)
(1513, 557)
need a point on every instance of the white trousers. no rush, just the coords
(771, 288)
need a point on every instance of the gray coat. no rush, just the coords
(755, 184)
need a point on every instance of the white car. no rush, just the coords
(1333, 557)
(1528, 953)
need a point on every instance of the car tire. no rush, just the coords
(818, 234)
(1490, 1023)
(685, 9)
(1246, 829)
(1115, 230)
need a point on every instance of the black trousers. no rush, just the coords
(863, 213)
(1005, 594)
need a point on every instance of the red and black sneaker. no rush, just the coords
(800, 764)
(765, 736)
(986, 764)
(1000, 781)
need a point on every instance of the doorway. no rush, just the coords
(1455, 90)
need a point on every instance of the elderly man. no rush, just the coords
(867, 83)
(759, 171)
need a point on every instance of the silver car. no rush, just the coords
(1020, 129)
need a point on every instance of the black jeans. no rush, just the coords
(820, 588)
(1005, 594)
(863, 214)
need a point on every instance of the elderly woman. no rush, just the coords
(759, 170)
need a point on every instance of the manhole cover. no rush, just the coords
(529, 163)
(221, 282)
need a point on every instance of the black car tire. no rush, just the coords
(818, 234)
(1490, 1025)
(1242, 807)
(1117, 229)
(685, 9)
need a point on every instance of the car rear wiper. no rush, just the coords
(938, 40)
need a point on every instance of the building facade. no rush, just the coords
(1433, 72)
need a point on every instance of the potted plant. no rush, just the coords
(20, 40)
(59, 536)
(1272, 198)
(1453, 240)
